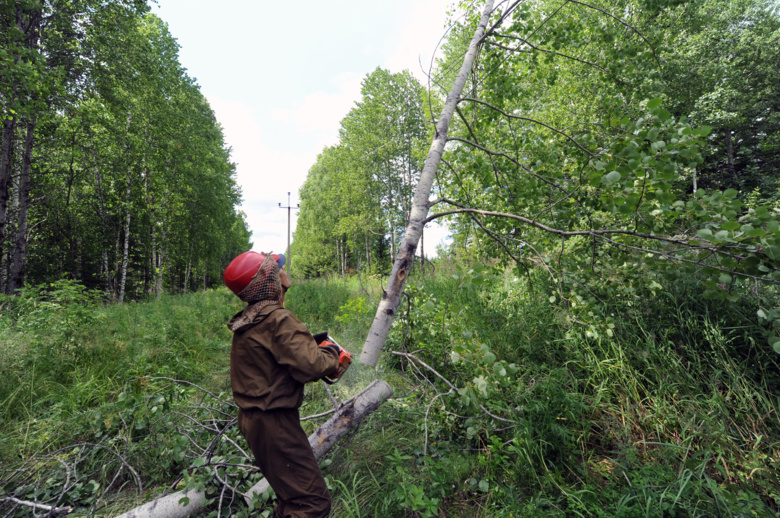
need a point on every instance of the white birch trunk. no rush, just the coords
(403, 261)
(126, 250)
(346, 419)
(187, 275)
(16, 280)
(422, 251)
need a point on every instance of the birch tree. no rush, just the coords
(420, 205)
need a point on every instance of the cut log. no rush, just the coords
(168, 506)
(345, 419)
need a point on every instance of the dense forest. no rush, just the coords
(600, 338)
(113, 170)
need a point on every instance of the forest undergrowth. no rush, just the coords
(508, 402)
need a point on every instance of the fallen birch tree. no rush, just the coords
(183, 503)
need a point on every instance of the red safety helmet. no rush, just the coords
(242, 269)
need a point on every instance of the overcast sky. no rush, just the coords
(281, 75)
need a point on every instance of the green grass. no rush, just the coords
(664, 408)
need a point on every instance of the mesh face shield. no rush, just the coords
(265, 289)
(266, 285)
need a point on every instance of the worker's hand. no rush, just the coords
(320, 337)
(345, 360)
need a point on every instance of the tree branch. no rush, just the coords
(602, 234)
(511, 159)
(554, 53)
(50, 511)
(519, 117)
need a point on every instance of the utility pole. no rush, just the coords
(289, 208)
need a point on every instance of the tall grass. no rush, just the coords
(668, 407)
(51, 372)
(663, 408)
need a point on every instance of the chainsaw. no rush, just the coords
(345, 358)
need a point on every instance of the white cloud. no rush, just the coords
(265, 174)
(420, 37)
(322, 112)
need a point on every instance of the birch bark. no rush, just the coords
(403, 262)
(20, 245)
(126, 249)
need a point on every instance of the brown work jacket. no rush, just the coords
(272, 358)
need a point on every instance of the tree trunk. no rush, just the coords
(187, 272)
(162, 257)
(7, 150)
(126, 249)
(16, 280)
(6, 164)
(106, 273)
(117, 264)
(730, 157)
(392, 231)
(403, 262)
(159, 266)
(368, 252)
(422, 250)
(342, 422)
(28, 23)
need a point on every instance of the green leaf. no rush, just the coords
(481, 383)
(611, 178)
(773, 252)
(653, 103)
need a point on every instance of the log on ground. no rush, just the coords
(345, 419)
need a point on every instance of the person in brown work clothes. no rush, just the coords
(273, 354)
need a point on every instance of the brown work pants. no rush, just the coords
(287, 461)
